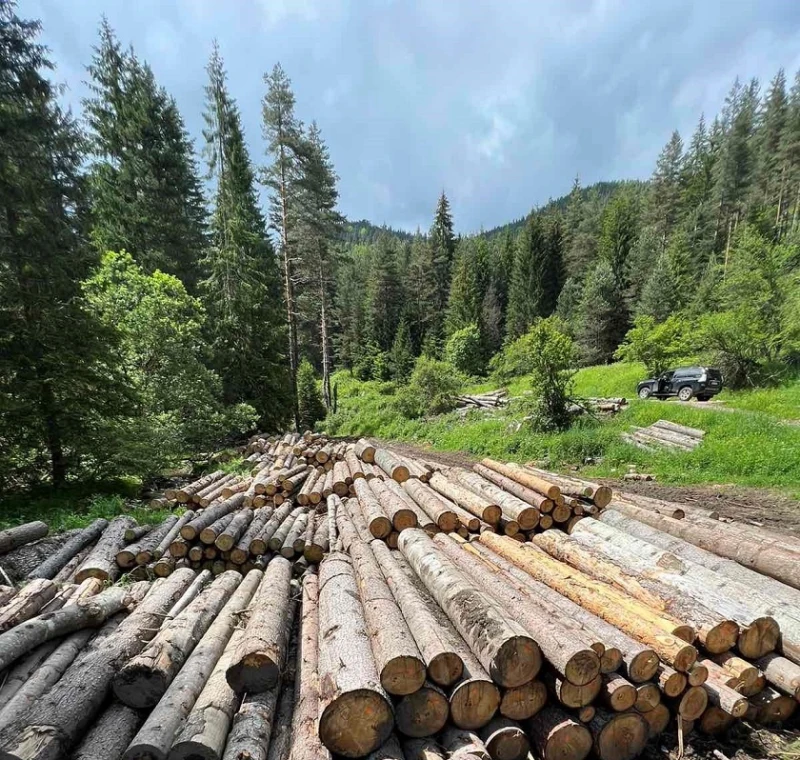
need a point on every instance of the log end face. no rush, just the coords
(569, 741)
(759, 638)
(423, 713)
(356, 723)
(685, 658)
(473, 704)
(524, 701)
(643, 666)
(623, 737)
(253, 674)
(403, 675)
(583, 667)
(139, 688)
(722, 637)
(518, 661)
(445, 668)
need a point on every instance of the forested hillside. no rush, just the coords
(151, 305)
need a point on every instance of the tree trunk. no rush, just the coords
(182, 495)
(477, 505)
(280, 744)
(379, 525)
(236, 528)
(110, 735)
(241, 552)
(164, 544)
(88, 613)
(527, 479)
(504, 647)
(428, 500)
(648, 696)
(13, 538)
(260, 655)
(365, 450)
(397, 658)
(423, 712)
(528, 495)
(295, 534)
(319, 545)
(626, 613)
(210, 534)
(569, 652)
(26, 604)
(355, 715)
(555, 735)
(155, 739)
(260, 544)
(670, 682)
(53, 433)
(569, 694)
(141, 553)
(444, 666)
(513, 508)
(575, 487)
(102, 562)
(192, 529)
(399, 514)
(391, 465)
(60, 717)
(145, 678)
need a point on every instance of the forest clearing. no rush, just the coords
(350, 599)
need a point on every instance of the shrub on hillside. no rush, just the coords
(310, 407)
(658, 346)
(432, 389)
(464, 350)
(373, 364)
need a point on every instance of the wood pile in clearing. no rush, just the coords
(417, 637)
(596, 406)
(666, 435)
(488, 400)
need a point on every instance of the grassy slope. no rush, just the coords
(751, 447)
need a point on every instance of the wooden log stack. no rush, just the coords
(445, 619)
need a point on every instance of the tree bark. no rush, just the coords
(260, 544)
(617, 693)
(523, 514)
(27, 603)
(393, 507)
(191, 530)
(504, 648)
(145, 678)
(241, 552)
(182, 495)
(355, 715)
(155, 739)
(316, 550)
(260, 656)
(102, 562)
(391, 465)
(53, 564)
(365, 450)
(110, 735)
(482, 508)
(575, 487)
(378, 523)
(528, 495)
(463, 745)
(428, 500)
(59, 718)
(295, 534)
(141, 553)
(527, 479)
(236, 528)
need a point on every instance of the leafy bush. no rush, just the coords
(464, 350)
(432, 389)
(309, 399)
(373, 364)
(657, 346)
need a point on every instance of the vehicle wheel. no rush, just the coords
(685, 393)
(645, 394)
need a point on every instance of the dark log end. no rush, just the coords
(356, 723)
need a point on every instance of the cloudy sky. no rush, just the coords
(500, 104)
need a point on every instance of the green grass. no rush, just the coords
(782, 402)
(748, 448)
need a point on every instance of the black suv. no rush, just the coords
(701, 382)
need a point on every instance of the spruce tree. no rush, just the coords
(350, 306)
(603, 316)
(309, 402)
(442, 249)
(58, 376)
(283, 134)
(241, 288)
(464, 306)
(788, 211)
(419, 291)
(383, 295)
(663, 206)
(145, 192)
(402, 357)
(553, 266)
(698, 213)
(767, 165)
(618, 236)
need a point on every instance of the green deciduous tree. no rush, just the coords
(432, 389)
(465, 351)
(657, 345)
(241, 286)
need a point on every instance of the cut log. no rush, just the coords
(260, 544)
(783, 674)
(528, 495)
(334, 505)
(280, 743)
(251, 730)
(163, 546)
(260, 656)
(513, 508)
(226, 540)
(505, 740)
(393, 507)
(569, 694)
(192, 529)
(110, 735)
(617, 693)
(692, 703)
(355, 715)
(658, 719)
(279, 536)
(399, 663)
(55, 722)
(305, 739)
(365, 450)
(350, 514)
(377, 522)
(697, 675)
(463, 745)
(422, 749)
(481, 507)
(146, 677)
(62, 654)
(423, 712)
(137, 532)
(503, 646)
(444, 666)
(155, 739)
(13, 538)
(670, 682)
(28, 603)
(555, 735)
(619, 736)
(198, 584)
(141, 552)
(182, 495)
(648, 696)
(631, 616)
(527, 479)
(576, 487)
(209, 534)
(428, 500)
(316, 550)
(770, 706)
(241, 552)
(56, 562)
(639, 663)
(720, 694)
(391, 465)
(102, 563)
(295, 535)
(570, 654)
(524, 701)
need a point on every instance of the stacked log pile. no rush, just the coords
(665, 435)
(488, 400)
(443, 621)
